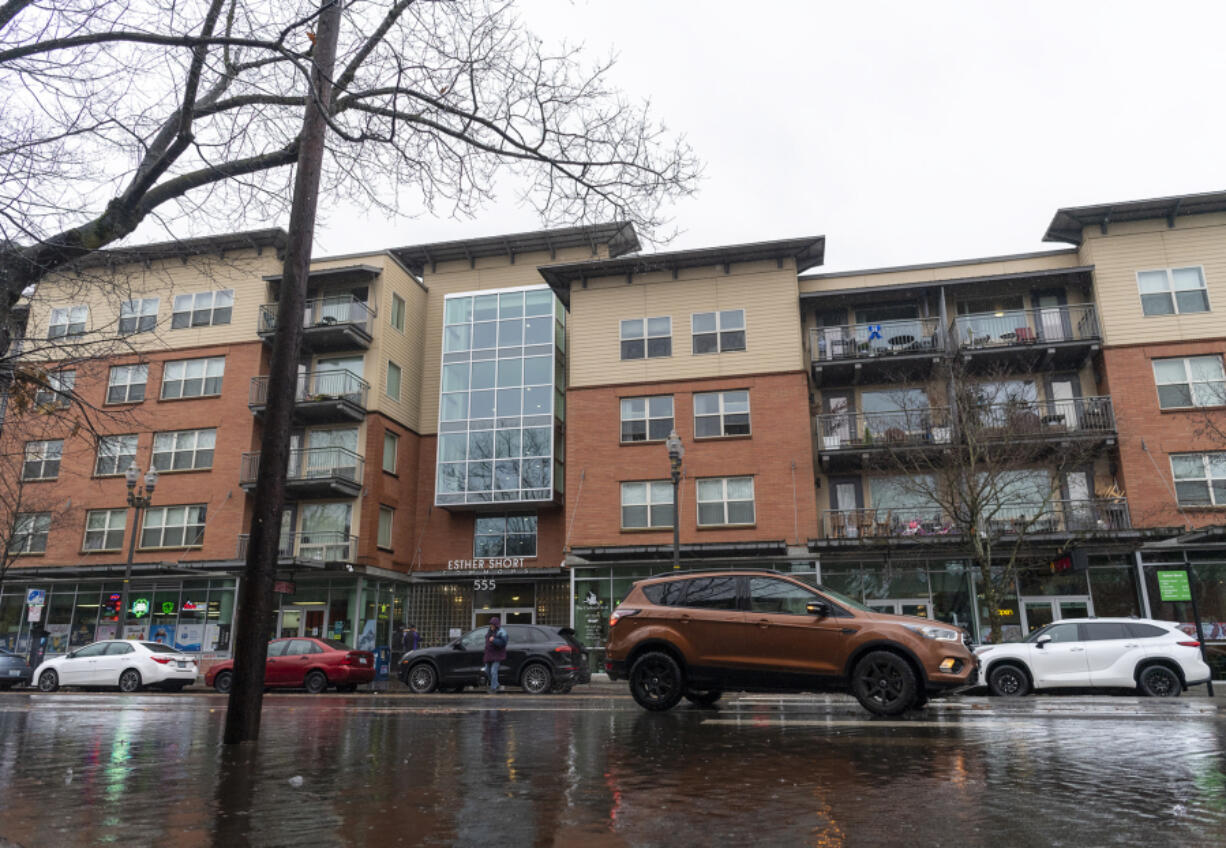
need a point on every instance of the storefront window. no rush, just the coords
(84, 617)
(58, 623)
(340, 619)
(1043, 582)
(219, 620)
(11, 612)
(951, 595)
(1114, 592)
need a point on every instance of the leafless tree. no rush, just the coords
(123, 112)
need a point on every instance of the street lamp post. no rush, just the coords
(138, 499)
(676, 450)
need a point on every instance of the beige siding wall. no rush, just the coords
(1150, 245)
(1057, 259)
(766, 292)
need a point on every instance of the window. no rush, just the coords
(202, 309)
(68, 321)
(711, 593)
(721, 414)
(1200, 478)
(1173, 290)
(43, 460)
(769, 595)
(30, 532)
(393, 380)
(725, 500)
(1101, 631)
(58, 391)
(505, 535)
(173, 527)
(396, 316)
(666, 594)
(138, 316)
(1144, 631)
(647, 504)
(391, 442)
(386, 514)
(127, 384)
(1190, 381)
(115, 454)
(187, 378)
(718, 332)
(650, 337)
(183, 450)
(104, 529)
(646, 418)
(117, 648)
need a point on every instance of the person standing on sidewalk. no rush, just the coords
(398, 649)
(495, 651)
(412, 641)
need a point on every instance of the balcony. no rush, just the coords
(327, 547)
(321, 397)
(329, 323)
(1055, 420)
(1052, 337)
(313, 473)
(1054, 518)
(850, 440)
(875, 353)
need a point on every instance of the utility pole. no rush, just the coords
(256, 600)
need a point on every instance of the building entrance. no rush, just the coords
(1039, 612)
(301, 621)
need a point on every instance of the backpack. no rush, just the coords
(500, 639)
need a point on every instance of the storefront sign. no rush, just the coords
(36, 597)
(140, 607)
(1173, 586)
(495, 564)
(283, 587)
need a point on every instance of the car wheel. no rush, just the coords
(536, 679)
(884, 683)
(48, 681)
(223, 681)
(703, 697)
(347, 687)
(423, 678)
(316, 682)
(1158, 681)
(1008, 681)
(656, 681)
(129, 681)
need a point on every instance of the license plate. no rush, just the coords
(362, 660)
(14, 672)
(182, 664)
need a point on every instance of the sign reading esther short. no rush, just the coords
(486, 565)
(1173, 586)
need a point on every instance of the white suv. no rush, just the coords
(1154, 657)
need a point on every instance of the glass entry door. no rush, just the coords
(481, 618)
(918, 607)
(301, 621)
(1039, 612)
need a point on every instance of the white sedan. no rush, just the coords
(128, 665)
(1153, 657)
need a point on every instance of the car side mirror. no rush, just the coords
(1042, 640)
(456, 646)
(818, 608)
(71, 656)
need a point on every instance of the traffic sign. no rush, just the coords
(36, 597)
(1173, 586)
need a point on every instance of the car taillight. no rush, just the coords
(162, 660)
(1189, 644)
(563, 649)
(619, 614)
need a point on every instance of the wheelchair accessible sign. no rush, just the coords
(1173, 586)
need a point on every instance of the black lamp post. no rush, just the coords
(138, 499)
(676, 450)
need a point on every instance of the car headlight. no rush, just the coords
(941, 634)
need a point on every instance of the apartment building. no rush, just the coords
(481, 427)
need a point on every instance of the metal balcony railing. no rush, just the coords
(902, 428)
(310, 465)
(320, 546)
(1055, 516)
(316, 386)
(1013, 327)
(333, 311)
(1088, 415)
(883, 338)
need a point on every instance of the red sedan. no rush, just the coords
(304, 663)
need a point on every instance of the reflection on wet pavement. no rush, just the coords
(514, 770)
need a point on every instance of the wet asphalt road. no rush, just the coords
(594, 770)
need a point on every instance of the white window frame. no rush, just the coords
(110, 521)
(58, 391)
(387, 383)
(1219, 394)
(1171, 292)
(68, 321)
(387, 516)
(193, 522)
(32, 529)
(722, 414)
(127, 372)
(171, 443)
(202, 305)
(507, 534)
(176, 371)
(719, 332)
(643, 333)
(725, 501)
(646, 418)
(43, 452)
(111, 448)
(394, 439)
(140, 315)
(1206, 459)
(655, 493)
(395, 315)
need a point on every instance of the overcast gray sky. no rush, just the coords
(903, 131)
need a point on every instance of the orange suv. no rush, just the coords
(694, 635)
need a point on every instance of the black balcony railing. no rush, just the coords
(1087, 416)
(902, 428)
(1054, 516)
(324, 312)
(869, 340)
(329, 466)
(325, 546)
(318, 386)
(1015, 327)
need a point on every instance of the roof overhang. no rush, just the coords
(619, 236)
(706, 550)
(1214, 535)
(257, 240)
(331, 273)
(1068, 223)
(1081, 273)
(806, 252)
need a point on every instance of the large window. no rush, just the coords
(647, 504)
(386, 516)
(1190, 381)
(646, 418)
(647, 337)
(1200, 478)
(43, 460)
(725, 500)
(67, 321)
(184, 450)
(138, 316)
(30, 532)
(115, 454)
(718, 332)
(1173, 291)
(173, 527)
(721, 414)
(58, 391)
(504, 535)
(126, 384)
(391, 443)
(202, 309)
(186, 378)
(104, 529)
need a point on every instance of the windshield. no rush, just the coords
(843, 599)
